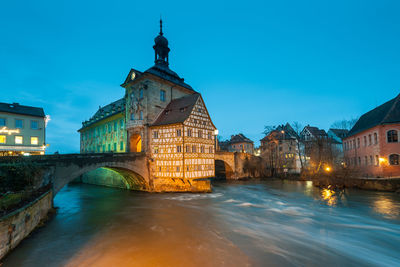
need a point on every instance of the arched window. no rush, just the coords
(394, 159)
(392, 136)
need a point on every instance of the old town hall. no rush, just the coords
(159, 115)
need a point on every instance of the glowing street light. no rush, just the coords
(328, 169)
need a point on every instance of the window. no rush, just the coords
(194, 149)
(19, 139)
(178, 149)
(366, 160)
(162, 95)
(209, 135)
(121, 123)
(376, 138)
(3, 139)
(394, 159)
(34, 140)
(392, 136)
(210, 150)
(354, 143)
(200, 134)
(376, 160)
(155, 134)
(141, 93)
(189, 132)
(121, 145)
(109, 128)
(104, 148)
(365, 141)
(371, 160)
(19, 123)
(115, 125)
(359, 161)
(109, 147)
(369, 140)
(115, 146)
(34, 125)
(141, 115)
(187, 149)
(2, 122)
(202, 149)
(358, 142)
(132, 116)
(178, 169)
(156, 150)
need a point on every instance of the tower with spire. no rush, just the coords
(161, 48)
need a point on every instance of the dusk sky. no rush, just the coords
(256, 63)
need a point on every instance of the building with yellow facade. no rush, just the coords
(160, 115)
(22, 130)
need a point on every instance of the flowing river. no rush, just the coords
(252, 223)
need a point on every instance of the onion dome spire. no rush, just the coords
(161, 48)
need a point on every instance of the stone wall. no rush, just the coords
(379, 184)
(181, 185)
(15, 226)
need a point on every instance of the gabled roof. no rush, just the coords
(239, 138)
(315, 131)
(23, 110)
(105, 112)
(386, 113)
(341, 133)
(177, 111)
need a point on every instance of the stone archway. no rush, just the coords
(115, 177)
(135, 143)
(223, 169)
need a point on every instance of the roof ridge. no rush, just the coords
(396, 100)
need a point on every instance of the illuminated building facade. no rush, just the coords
(162, 116)
(372, 146)
(22, 130)
(182, 140)
(105, 130)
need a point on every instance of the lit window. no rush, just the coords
(394, 159)
(34, 125)
(3, 139)
(34, 140)
(162, 95)
(19, 139)
(202, 149)
(2, 122)
(156, 150)
(392, 136)
(178, 149)
(155, 134)
(18, 123)
(189, 132)
(178, 132)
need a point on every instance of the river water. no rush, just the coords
(257, 223)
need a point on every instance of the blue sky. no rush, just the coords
(256, 63)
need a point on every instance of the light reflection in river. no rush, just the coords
(274, 223)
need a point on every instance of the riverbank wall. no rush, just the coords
(17, 225)
(378, 184)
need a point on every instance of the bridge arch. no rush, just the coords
(223, 169)
(134, 172)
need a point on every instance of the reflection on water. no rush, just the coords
(271, 223)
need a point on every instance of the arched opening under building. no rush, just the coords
(114, 177)
(223, 170)
(135, 143)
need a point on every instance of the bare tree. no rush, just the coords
(297, 127)
(268, 129)
(344, 124)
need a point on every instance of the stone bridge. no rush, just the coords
(61, 169)
(231, 165)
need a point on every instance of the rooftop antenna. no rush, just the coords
(161, 33)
